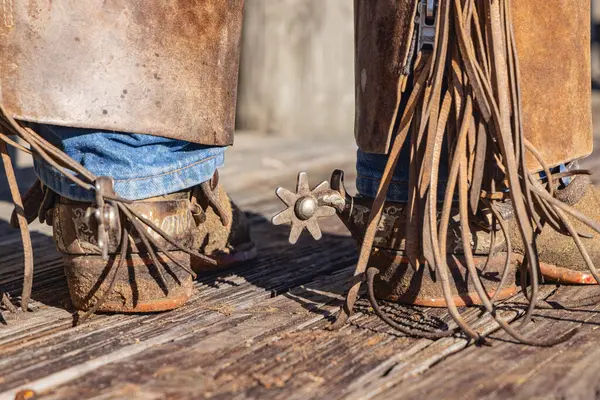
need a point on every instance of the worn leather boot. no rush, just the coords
(399, 278)
(560, 259)
(203, 219)
(400, 281)
(222, 231)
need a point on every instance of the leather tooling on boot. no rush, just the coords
(462, 87)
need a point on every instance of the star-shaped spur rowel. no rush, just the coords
(303, 210)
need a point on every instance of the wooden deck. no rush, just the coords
(257, 332)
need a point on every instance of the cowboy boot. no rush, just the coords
(146, 270)
(399, 278)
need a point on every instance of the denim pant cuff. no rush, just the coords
(370, 167)
(142, 166)
(135, 188)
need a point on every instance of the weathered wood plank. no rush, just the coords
(278, 350)
(506, 370)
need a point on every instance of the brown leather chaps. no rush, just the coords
(553, 43)
(166, 68)
(504, 85)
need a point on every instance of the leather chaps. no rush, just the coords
(166, 68)
(553, 44)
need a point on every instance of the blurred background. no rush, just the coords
(297, 72)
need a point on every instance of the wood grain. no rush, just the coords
(260, 331)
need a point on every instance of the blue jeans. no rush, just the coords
(145, 166)
(142, 166)
(370, 167)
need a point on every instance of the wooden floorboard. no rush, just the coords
(277, 349)
(506, 370)
(260, 331)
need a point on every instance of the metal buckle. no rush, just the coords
(427, 13)
(105, 214)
